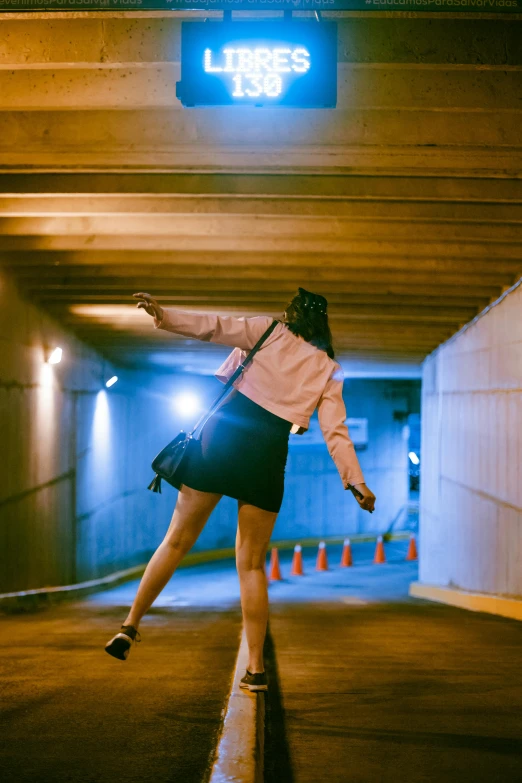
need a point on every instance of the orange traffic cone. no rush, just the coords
(322, 560)
(297, 562)
(275, 571)
(346, 559)
(412, 549)
(380, 557)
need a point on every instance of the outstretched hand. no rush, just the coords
(364, 496)
(149, 304)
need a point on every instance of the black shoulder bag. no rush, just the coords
(167, 464)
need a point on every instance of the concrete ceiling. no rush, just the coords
(403, 206)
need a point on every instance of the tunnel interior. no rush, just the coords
(401, 206)
(383, 174)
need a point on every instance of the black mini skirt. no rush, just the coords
(242, 453)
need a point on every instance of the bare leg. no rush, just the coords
(253, 535)
(193, 508)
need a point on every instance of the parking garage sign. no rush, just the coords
(258, 64)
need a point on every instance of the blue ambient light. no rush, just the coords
(187, 404)
(259, 64)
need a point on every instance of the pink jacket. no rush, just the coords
(288, 376)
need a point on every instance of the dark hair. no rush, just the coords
(306, 316)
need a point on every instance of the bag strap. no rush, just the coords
(233, 378)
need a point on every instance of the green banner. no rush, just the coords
(484, 6)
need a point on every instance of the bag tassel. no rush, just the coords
(155, 484)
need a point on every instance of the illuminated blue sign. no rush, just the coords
(258, 64)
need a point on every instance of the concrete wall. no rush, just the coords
(71, 503)
(75, 457)
(471, 488)
(315, 502)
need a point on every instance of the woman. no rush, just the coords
(243, 450)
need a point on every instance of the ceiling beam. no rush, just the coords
(273, 228)
(231, 247)
(490, 188)
(361, 293)
(146, 207)
(115, 294)
(339, 307)
(261, 265)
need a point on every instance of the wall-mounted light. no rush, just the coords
(111, 381)
(187, 403)
(55, 356)
(414, 458)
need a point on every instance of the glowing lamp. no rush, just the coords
(186, 403)
(111, 381)
(55, 356)
(414, 458)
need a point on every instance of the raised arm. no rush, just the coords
(332, 417)
(223, 329)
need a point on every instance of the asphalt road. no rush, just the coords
(374, 687)
(366, 684)
(70, 712)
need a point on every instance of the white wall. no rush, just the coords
(471, 488)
